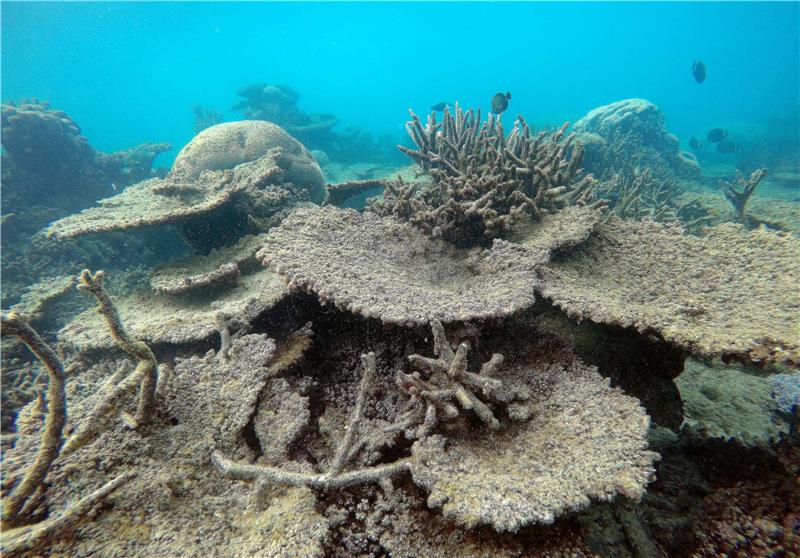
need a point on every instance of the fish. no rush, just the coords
(726, 146)
(717, 135)
(439, 107)
(695, 144)
(699, 71)
(500, 102)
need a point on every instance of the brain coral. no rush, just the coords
(227, 145)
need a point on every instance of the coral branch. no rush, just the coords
(244, 471)
(147, 366)
(337, 193)
(334, 478)
(739, 198)
(13, 324)
(28, 537)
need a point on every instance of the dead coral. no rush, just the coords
(147, 367)
(483, 181)
(731, 293)
(175, 198)
(389, 270)
(739, 198)
(336, 477)
(584, 441)
(162, 318)
(448, 383)
(51, 437)
(337, 193)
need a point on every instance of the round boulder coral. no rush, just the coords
(232, 143)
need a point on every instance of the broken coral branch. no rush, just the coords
(739, 198)
(147, 365)
(334, 478)
(51, 441)
(337, 193)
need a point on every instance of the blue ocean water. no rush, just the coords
(130, 72)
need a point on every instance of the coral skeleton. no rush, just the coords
(740, 197)
(483, 181)
(335, 477)
(449, 385)
(52, 435)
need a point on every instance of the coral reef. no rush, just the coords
(631, 133)
(482, 181)
(385, 269)
(708, 295)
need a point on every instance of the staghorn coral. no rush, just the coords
(638, 194)
(482, 181)
(708, 295)
(389, 270)
(51, 436)
(146, 367)
(739, 198)
(584, 441)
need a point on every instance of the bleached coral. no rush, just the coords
(483, 181)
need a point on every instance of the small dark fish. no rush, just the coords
(717, 135)
(500, 102)
(439, 107)
(699, 71)
(695, 144)
(726, 146)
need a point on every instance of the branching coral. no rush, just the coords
(449, 382)
(147, 367)
(739, 198)
(638, 194)
(483, 181)
(335, 477)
